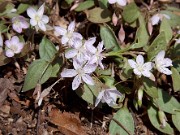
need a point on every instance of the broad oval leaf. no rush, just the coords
(109, 38)
(99, 15)
(166, 102)
(22, 8)
(85, 5)
(124, 117)
(47, 50)
(176, 120)
(130, 13)
(157, 45)
(176, 79)
(38, 71)
(153, 116)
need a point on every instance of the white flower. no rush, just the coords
(109, 96)
(158, 17)
(13, 46)
(19, 23)
(80, 72)
(120, 2)
(37, 18)
(79, 50)
(68, 35)
(177, 41)
(162, 63)
(97, 55)
(140, 68)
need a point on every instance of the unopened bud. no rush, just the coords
(140, 96)
(114, 19)
(162, 118)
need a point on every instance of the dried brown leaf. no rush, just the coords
(68, 123)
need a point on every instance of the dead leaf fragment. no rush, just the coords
(68, 123)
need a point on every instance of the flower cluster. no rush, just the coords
(140, 68)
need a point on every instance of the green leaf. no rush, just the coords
(69, 1)
(108, 80)
(176, 79)
(3, 28)
(47, 50)
(3, 59)
(176, 120)
(85, 5)
(103, 3)
(166, 102)
(150, 88)
(99, 15)
(142, 35)
(157, 45)
(174, 18)
(165, 26)
(109, 38)
(153, 116)
(56, 65)
(38, 71)
(22, 8)
(124, 117)
(90, 92)
(130, 13)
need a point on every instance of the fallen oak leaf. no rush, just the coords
(68, 123)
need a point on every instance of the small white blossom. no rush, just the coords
(80, 72)
(120, 2)
(177, 41)
(19, 23)
(162, 63)
(79, 50)
(140, 68)
(68, 35)
(97, 55)
(155, 19)
(109, 96)
(13, 46)
(37, 18)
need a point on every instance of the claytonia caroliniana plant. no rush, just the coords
(119, 2)
(13, 46)
(37, 18)
(80, 72)
(140, 68)
(79, 50)
(68, 35)
(19, 23)
(97, 56)
(162, 63)
(108, 96)
(155, 19)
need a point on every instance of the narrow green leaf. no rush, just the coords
(166, 102)
(3, 59)
(22, 8)
(38, 71)
(56, 65)
(109, 38)
(153, 116)
(165, 26)
(99, 15)
(69, 1)
(157, 45)
(176, 79)
(176, 120)
(47, 50)
(130, 13)
(124, 117)
(85, 5)
(103, 3)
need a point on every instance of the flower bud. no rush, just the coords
(114, 19)
(140, 96)
(162, 118)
